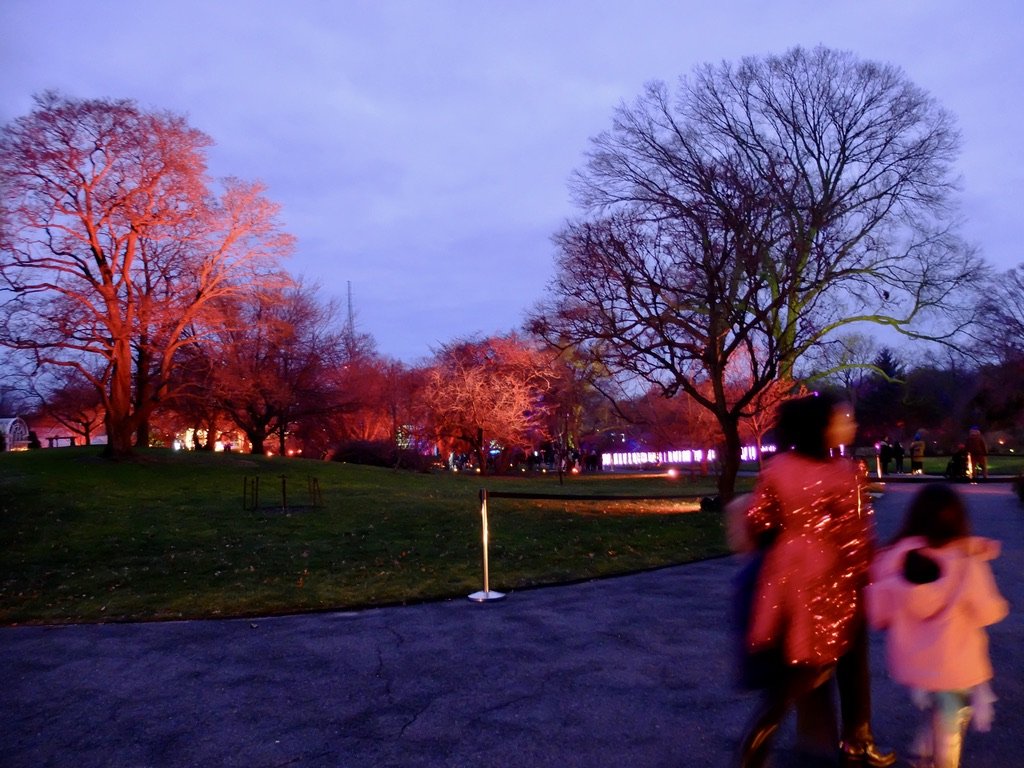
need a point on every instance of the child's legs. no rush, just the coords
(948, 707)
(921, 747)
(950, 715)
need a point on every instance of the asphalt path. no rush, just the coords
(631, 671)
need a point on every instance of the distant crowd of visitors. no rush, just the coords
(970, 459)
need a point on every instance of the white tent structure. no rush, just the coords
(15, 433)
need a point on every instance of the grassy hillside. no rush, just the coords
(166, 536)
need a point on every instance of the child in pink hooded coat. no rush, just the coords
(934, 592)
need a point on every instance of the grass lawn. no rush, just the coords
(166, 536)
(1002, 464)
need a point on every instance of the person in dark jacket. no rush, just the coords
(977, 451)
(885, 454)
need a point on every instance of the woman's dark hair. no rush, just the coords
(803, 425)
(938, 514)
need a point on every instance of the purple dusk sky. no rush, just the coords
(420, 149)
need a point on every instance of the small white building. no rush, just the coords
(14, 432)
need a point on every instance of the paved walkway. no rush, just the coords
(633, 671)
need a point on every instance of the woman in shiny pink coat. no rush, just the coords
(812, 520)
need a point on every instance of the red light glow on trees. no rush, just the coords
(115, 244)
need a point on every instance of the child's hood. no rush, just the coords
(926, 600)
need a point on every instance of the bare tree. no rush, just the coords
(479, 392)
(114, 244)
(272, 360)
(762, 415)
(574, 406)
(74, 403)
(998, 340)
(755, 212)
(16, 387)
(193, 404)
(1000, 326)
(846, 360)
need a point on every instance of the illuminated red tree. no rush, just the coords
(114, 244)
(363, 385)
(272, 359)
(480, 393)
(676, 422)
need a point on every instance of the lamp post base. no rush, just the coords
(483, 597)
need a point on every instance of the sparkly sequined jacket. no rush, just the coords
(809, 590)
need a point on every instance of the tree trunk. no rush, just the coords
(142, 434)
(120, 421)
(211, 430)
(481, 454)
(143, 385)
(258, 439)
(281, 438)
(119, 438)
(730, 460)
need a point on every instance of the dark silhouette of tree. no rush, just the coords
(843, 363)
(193, 404)
(575, 405)
(660, 423)
(115, 243)
(881, 407)
(750, 215)
(15, 389)
(939, 391)
(1000, 333)
(1000, 327)
(999, 402)
(74, 403)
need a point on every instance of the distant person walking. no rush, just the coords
(811, 522)
(934, 592)
(977, 451)
(897, 456)
(885, 455)
(917, 454)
